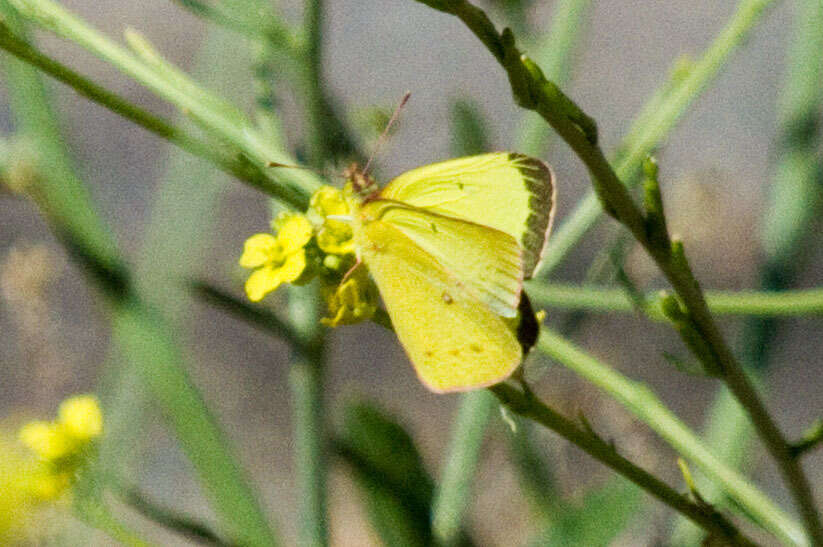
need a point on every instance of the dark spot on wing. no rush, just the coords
(447, 298)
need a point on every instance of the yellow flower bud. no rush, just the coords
(353, 301)
(81, 417)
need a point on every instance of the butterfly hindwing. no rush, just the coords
(453, 339)
(507, 191)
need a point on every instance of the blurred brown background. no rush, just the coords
(715, 167)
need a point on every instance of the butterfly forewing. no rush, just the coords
(506, 191)
(487, 263)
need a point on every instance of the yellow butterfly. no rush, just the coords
(448, 246)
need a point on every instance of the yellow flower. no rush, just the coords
(279, 259)
(48, 440)
(81, 417)
(62, 447)
(353, 301)
(334, 236)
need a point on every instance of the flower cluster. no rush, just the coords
(317, 244)
(63, 446)
(43, 462)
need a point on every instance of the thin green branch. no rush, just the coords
(329, 137)
(257, 316)
(236, 166)
(532, 91)
(811, 439)
(526, 405)
(615, 300)
(654, 124)
(307, 378)
(643, 403)
(247, 22)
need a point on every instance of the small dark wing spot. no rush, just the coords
(434, 227)
(447, 298)
(460, 186)
(475, 348)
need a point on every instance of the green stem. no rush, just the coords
(615, 300)
(234, 166)
(642, 402)
(97, 515)
(526, 405)
(307, 380)
(650, 130)
(452, 496)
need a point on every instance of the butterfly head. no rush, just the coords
(361, 182)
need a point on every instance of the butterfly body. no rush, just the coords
(448, 246)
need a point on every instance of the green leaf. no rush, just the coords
(603, 514)
(388, 468)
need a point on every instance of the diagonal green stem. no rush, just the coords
(524, 404)
(794, 208)
(236, 167)
(214, 114)
(553, 52)
(642, 402)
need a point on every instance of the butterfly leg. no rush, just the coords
(357, 262)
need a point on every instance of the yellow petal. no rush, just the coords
(293, 267)
(259, 249)
(261, 282)
(81, 417)
(49, 441)
(295, 231)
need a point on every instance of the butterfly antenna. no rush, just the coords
(385, 132)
